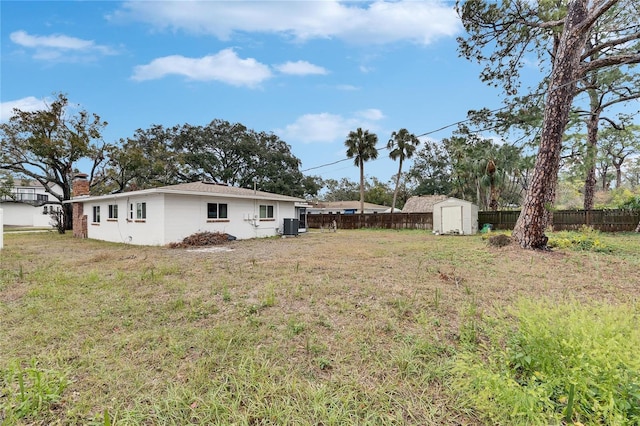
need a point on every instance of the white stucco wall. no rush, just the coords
(22, 214)
(172, 217)
(147, 231)
(1, 229)
(187, 214)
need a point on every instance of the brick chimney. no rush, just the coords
(80, 185)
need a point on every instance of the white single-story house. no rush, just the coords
(345, 207)
(168, 214)
(455, 216)
(29, 204)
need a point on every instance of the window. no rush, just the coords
(42, 197)
(96, 214)
(216, 211)
(141, 210)
(266, 212)
(113, 211)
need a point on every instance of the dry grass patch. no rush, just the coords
(345, 327)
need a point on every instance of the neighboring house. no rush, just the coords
(29, 204)
(345, 207)
(422, 203)
(168, 214)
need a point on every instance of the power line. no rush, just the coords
(535, 94)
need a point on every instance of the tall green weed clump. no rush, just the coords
(586, 239)
(29, 392)
(562, 364)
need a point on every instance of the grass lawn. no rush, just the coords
(352, 327)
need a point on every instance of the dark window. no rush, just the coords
(266, 212)
(216, 211)
(141, 210)
(96, 214)
(113, 211)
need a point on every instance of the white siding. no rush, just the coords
(148, 231)
(187, 215)
(22, 214)
(172, 217)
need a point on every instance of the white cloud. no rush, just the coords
(59, 47)
(347, 87)
(301, 68)
(327, 128)
(378, 22)
(371, 114)
(225, 66)
(29, 103)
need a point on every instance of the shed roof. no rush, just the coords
(422, 203)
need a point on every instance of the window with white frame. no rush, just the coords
(96, 214)
(266, 211)
(217, 211)
(141, 211)
(113, 211)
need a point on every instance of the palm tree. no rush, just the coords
(401, 145)
(361, 146)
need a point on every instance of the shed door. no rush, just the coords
(451, 217)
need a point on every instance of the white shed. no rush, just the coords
(455, 216)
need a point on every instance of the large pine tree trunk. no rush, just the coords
(590, 180)
(530, 227)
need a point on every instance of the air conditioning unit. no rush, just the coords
(291, 227)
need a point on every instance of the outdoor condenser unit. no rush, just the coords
(290, 227)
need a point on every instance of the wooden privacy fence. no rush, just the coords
(569, 220)
(372, 220)
(563, 220)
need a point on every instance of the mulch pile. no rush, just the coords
(203, 239)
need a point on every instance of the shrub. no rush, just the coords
(570, 362)
(632, 203)
(587, 239)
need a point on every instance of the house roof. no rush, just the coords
(198, 188)
(422, 203)
(347, 205)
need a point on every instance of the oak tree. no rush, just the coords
(47, 144)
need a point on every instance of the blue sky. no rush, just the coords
(308, 71)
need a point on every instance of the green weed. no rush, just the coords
(587, 239)
(30, 392)
(566, 362)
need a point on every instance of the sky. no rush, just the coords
(308, 71)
